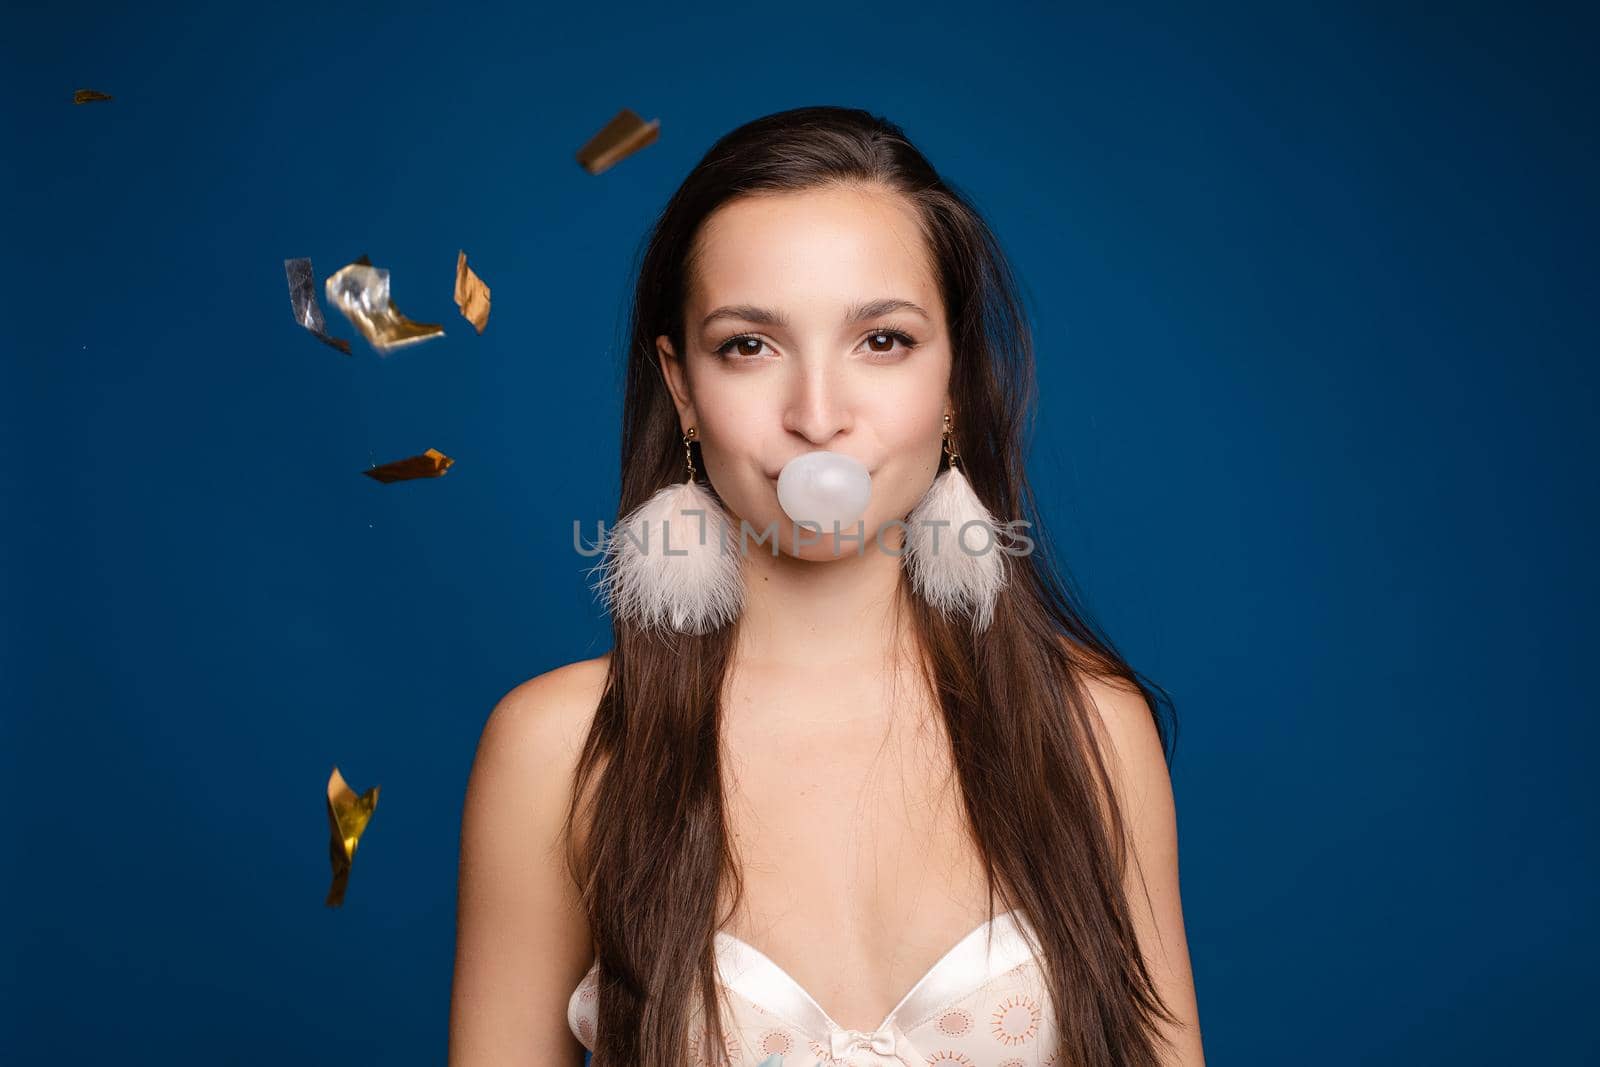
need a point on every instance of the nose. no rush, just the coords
(817, 407)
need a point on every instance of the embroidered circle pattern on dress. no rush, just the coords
(948, 1059)
(1016, 1019)
(956, 1022)
(703, 1055)
(776, 1041)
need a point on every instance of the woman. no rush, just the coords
(846, 755)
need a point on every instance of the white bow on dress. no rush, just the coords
(887, 1047)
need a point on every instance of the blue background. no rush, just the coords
(1313, 290)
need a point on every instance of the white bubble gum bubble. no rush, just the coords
(825, 488)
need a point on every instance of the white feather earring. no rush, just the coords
(952, 552)
(690, 581)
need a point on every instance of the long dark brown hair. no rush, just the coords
(653, 851)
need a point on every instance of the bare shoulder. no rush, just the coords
(528, 752)
(549, 714)
(522, 939)
(1125, 725)
(1125, 728)
(1125, 719)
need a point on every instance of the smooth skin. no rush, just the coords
(857, 867)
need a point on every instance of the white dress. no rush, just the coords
(983, 1004)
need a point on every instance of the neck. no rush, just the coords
(805, 613)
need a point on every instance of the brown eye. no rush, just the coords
(742, 347)
(882, 342)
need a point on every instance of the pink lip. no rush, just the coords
(773, 475)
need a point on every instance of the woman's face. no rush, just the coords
(813, 321)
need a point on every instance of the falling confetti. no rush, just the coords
(89, 96)
(620, 138)
(361, 292)
(472, 296)
(303, 300)
(430, 464)
(348, 815)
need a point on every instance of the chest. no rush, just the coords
(846, 824)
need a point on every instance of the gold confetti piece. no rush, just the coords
(348, 815)
(88, 96)
(472, 296)
(620, 138)
(361, 292)
(303, 300)
(431, 464)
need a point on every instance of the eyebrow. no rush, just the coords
(767, 317)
